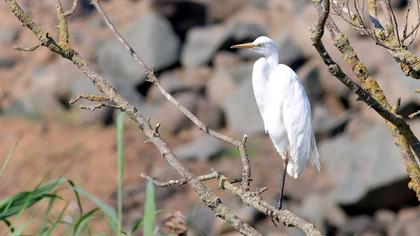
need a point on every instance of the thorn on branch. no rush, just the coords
(31, 49)
(72, 9)
(397, 106)
(93, 98)
(179, 182)
(90, 97)
(157, 128)
(411, 116)
(99, 106)
(244, 139)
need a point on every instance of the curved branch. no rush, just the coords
(370, 92)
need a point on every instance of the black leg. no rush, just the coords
(283, 181)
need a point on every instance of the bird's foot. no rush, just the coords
(273, 217)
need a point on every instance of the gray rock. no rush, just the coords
(359, 225)
(171, 118)
(384, 218)
(210, 114)
(48, 88)
(220, 86)
(241, 31)
(219, 10)
(226, 80)
(7, 62)
(202, 220)
(325, 124)
(172, 83)
(152, 38)
(242, 114)
(183, 14)
(202, 148)
(202, 43)
(407, 223)
(309, 75)
(18, 107)
(321, 209)
(289, 52)
(8, 35)
(358, 166)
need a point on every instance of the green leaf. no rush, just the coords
(149, 211)
(82, 221)
(107, 210)
(120, 167)
(19, 202)
(8, 157)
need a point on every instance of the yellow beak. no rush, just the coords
(244, 45)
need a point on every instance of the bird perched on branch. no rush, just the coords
(285, 109)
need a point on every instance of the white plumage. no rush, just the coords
(284, 107)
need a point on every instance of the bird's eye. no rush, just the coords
(260, 45)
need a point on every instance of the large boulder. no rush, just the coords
(366, 170)
(203, 148)
(202, 43)
(152, 38)
(170, 118)
(242, 114)
(183, 14)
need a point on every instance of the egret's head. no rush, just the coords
(262, 45)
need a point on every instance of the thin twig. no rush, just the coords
(179, 182)
(31, 49)
(411, 116)
(72, 9)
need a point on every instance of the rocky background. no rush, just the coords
(362, 187)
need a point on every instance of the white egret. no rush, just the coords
(285, 109)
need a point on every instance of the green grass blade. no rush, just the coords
(106, 209)
(58, 220)
(120, 167)
(136, 226)
(19, 230)
(8, 157)
(82, 221)
(44, 225)
(149, 211)
(16, 204)
(79, 202)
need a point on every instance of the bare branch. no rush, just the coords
(282, 216)
(90, 97)
(178, 182)
(31, 49)
(370, 92)
(246, 173)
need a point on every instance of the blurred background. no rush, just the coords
(361, 190)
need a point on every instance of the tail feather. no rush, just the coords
(314, 155)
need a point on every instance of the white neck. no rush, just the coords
(272, 60)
